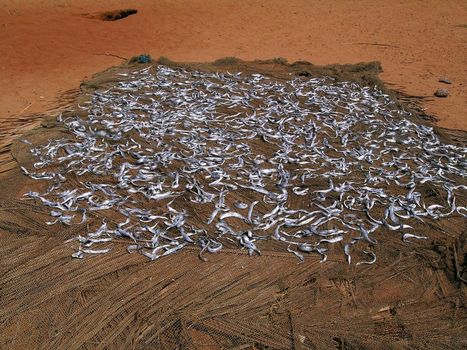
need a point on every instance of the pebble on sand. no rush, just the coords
(445, 80)
(442, 93)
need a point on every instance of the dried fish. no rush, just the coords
(407, 236)
(167, 146)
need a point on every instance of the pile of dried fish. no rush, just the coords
(171, 157)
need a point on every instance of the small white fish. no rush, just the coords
(240, 205)
(407, 236)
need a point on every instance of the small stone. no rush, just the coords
(442, 93)
(445, 80)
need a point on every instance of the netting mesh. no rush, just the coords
(170, 158)
(410, 298)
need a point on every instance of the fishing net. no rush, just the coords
(168, 158)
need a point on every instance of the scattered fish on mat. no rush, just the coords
(241, 150)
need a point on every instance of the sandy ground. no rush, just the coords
(47, 47)
(412, 299)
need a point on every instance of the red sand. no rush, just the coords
(47, 47)
(413, 298)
